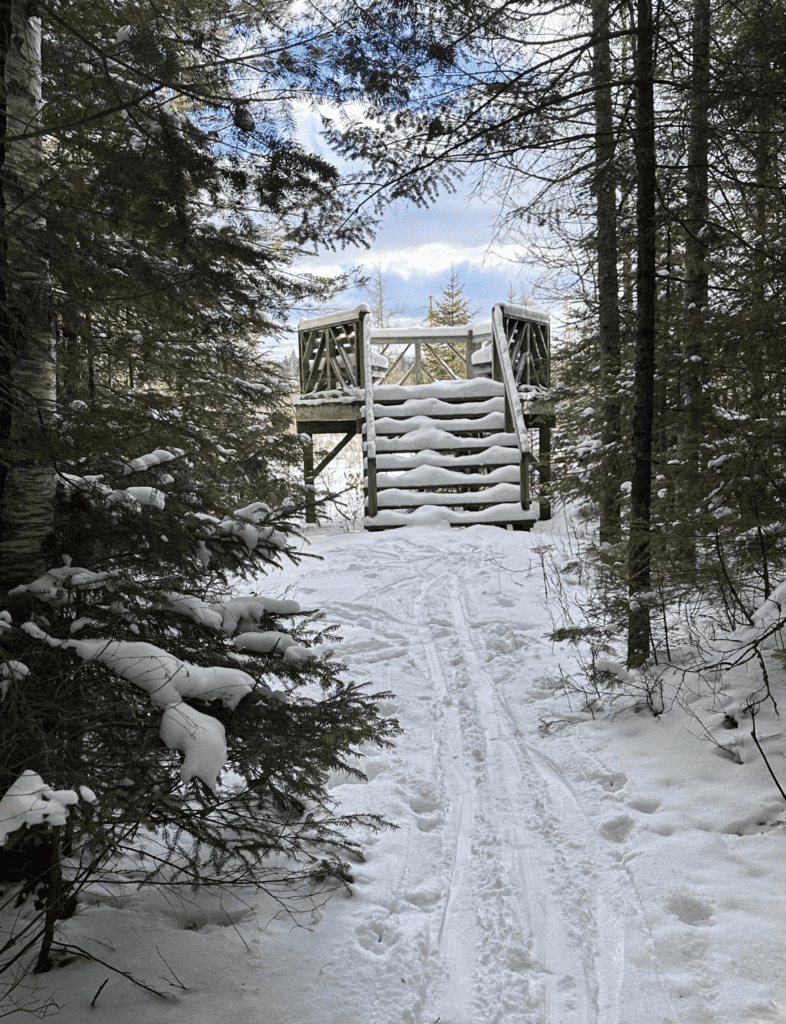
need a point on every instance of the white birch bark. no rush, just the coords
(27, 504)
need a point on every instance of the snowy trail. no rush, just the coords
(548, 868)
(531, 922)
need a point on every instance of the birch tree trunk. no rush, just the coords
(608, 278)
(639, 546)
(27, 361)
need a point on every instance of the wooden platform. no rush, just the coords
(316, 415)
(452, 447)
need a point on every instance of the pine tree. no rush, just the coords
(451, 310)
(147, 650)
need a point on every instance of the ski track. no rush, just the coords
(532, 915)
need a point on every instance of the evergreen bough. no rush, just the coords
(152, 564)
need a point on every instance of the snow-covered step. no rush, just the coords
(491, 421)
(434, 437)
(443, 446)
(493, 456)
(447, 390)
(394, 497)
(438, 476)
(498, 514)
(436, 407)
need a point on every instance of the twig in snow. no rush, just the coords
(752, 708)
(124, 974)
(179, 982)
(98, 993)
(237, 931)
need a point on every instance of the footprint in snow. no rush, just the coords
(617, 829)
(425, 896)
(378, 935)
(611, 781)
(426, 809)
(646, 805)
(690, 909)
(387, 707)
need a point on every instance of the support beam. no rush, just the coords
(308, 478)
(544, 471)
(332, 454)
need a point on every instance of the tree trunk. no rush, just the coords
(639, 547)
(608, 279)
(696, 194)
(696, 249)
(28, 364)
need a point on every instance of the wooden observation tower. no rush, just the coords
(460, 446)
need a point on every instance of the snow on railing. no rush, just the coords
(371, 430)
(514, 417)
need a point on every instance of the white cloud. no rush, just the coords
(437, 257)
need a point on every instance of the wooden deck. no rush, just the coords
(377, 383)
(340, 415)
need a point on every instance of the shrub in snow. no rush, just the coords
(201, 713)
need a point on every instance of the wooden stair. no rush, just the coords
(443, 451)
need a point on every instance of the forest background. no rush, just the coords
(156, 208)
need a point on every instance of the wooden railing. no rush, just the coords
(370, 443)
(331, 351)
(408, 355)
(503, 370)
(527, 334)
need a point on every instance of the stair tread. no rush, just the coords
(497, 514)
(441, 476)
(435, 407)
(433, 437)
(501, 492)
(490, 421)
(478, 387)
(495, 455)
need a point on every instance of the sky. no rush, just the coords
(416, 249)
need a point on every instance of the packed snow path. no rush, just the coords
(504, 901)
(548, 868)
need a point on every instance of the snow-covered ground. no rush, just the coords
(549, 867)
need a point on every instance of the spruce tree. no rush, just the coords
(451, 310)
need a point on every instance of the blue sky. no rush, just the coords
(417, 247)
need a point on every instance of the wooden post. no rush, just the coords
(308, 478)
(418, 375)
(371, 430)
(544, 472)
(468, 371)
